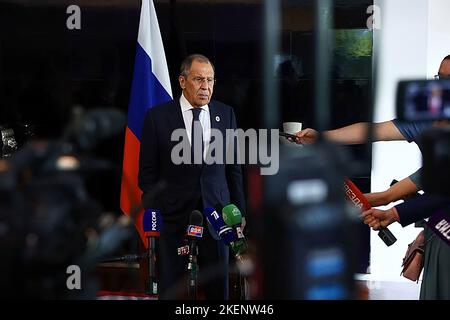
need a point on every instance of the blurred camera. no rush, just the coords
(423, 100)
(429, 101)
(8, 142)
(14, 136)
(48, 220)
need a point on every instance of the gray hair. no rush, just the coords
(187, 63)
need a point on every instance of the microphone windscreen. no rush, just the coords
(231, 215)
(356, 196)
(225, 232)
(195, 227)
(214, 218)
(152, 222)
(196, 218)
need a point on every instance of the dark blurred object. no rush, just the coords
(48, 221)
(8, 143)
(14, 136)
(93, 126)
(423, 100)
(119, 277)
(435, 144)
(85, 131)
(311, 251)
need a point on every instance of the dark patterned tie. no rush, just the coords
(198, 130)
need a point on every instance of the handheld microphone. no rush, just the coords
(226, 233)
(232, 217)
(152, 222)
(357, 198)
(193, 233)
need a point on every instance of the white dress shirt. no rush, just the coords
(204, 117)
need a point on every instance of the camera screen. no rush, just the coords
(423, 100)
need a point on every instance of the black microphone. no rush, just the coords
(151, 222)
(128, 258)
(194, 232)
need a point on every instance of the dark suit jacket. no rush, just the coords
(421, 207)
(215, 184)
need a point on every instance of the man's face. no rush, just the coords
(444, 70)
(198, 85)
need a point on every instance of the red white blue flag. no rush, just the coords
(150, 87)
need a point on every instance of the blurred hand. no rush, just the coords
(306, 136)
(377, 219)
(243, 223)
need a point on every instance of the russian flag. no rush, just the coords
(150, 87)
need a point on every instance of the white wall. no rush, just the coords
(438, 34)
(413, 38)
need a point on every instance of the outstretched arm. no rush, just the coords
(406, 213)
(398, 191)
(353, 134)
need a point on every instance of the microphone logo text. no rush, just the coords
(352, 196)
(195, 231)
(154, 221)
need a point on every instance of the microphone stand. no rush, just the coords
(152, 283)
(193, 271)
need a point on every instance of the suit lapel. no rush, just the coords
(175, 116)
(216, 117)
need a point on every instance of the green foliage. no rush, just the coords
(353, 43)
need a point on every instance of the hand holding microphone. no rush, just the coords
(357, 198)
(377, 219)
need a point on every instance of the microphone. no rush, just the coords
(233, 218)
(357, 198)
(226, 233)
(193, 233)
(151, 222)
(128, 258)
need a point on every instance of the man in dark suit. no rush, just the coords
(189, 186)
